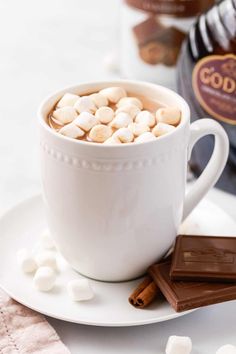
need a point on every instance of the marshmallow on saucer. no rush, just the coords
(162, 129)
(179, 345)
(168, 115)
(44, 279)
(26, 261)
(80, 290)
(104, 114)
(100, 133)
(226, 349)
(46, 258)
(72, 131)
(147, 136)
(99, 100)
(124, 135)
(146, 117)
(85, 104)
(113, 94)
(131, 109)
(68, 99)
(65, 114)
(130, 101)
(138, 128)
(46, 240)
(85, 121)
(121, 120)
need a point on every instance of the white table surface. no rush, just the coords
(46, 45)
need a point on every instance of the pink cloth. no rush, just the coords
(23, 331)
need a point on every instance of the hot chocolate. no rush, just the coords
(112, 116)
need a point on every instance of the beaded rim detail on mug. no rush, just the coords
(108, 165)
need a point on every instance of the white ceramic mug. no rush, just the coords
(114, 210)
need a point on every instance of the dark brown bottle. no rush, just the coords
(207, 80)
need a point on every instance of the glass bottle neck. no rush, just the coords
(215, 31)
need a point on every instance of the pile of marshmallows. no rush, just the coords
(183, 345)
(91, 118)
(43, 266)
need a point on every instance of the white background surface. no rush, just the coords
(46, 45)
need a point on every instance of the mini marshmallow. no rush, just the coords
(162, 129)
(130, 100)
(113, 140)
(68, 99)
(65, 114)
(131, 109)
(168, 115)
(226, 349)
(146, 117)
(44, 279)
(179, 345)
(104, 114)
(80, 290)
(113, 94)
(124, 135)
(147, 136)
(138, 128)
(47, 258)
(26, 261)
(54, 123)
(86, 121)
(99, 100)
(46, 240)
(100, 133)
(72, 131)
(85, 104)
(121, 120)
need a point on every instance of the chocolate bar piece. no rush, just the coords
(184, 296)
(158, 43)
(152, 53)
(148, 31)
(204, 258)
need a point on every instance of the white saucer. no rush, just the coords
(21, 227)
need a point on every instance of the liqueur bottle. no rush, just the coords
(207, 80)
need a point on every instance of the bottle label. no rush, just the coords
(214, 85)
(178, 8)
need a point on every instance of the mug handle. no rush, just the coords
(216, 164)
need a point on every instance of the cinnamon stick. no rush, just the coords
(144, 294)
